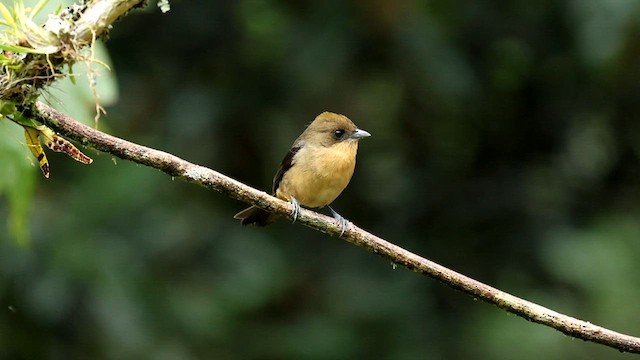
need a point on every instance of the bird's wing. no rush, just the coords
(286, 164)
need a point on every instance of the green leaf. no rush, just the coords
(9, 20)
(22, 49)
(38, 7)
(17, 180)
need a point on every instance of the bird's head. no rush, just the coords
(330, 128)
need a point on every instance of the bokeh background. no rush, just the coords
(505, 145)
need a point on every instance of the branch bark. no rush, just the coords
(182, 169)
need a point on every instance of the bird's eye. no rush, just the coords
(338, 133)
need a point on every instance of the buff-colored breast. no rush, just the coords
(319, 174)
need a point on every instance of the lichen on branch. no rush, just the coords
(34, 56)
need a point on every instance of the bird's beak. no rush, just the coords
(359, 134)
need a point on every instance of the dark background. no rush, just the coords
(505, 146)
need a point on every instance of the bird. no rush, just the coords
(317, 168)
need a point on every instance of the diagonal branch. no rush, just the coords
(182, 169)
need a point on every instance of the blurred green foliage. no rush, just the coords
(505, 145)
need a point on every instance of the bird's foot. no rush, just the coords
(296, 209)
(344, 223)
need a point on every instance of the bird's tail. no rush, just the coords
(255, 216)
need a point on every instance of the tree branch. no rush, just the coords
(182, 169)
(99, 16)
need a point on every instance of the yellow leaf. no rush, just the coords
(31, 135)
(7, 15)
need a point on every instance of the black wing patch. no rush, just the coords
(286, 164)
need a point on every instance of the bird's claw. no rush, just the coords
(296, 209)
(344, 223)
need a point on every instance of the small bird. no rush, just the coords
(316, 169)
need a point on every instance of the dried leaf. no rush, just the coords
(60, 144)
